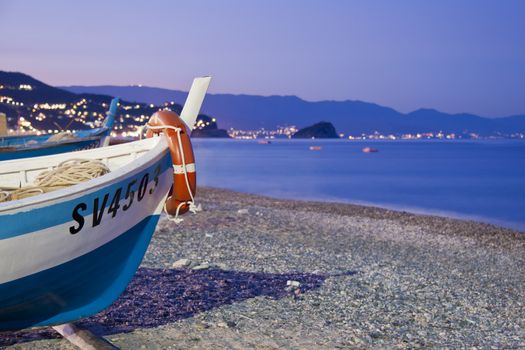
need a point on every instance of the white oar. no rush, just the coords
(193, 103)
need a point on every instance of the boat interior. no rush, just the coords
(21, 172)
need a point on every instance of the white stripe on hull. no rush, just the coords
(37, 251)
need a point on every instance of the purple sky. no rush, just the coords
(453, 55)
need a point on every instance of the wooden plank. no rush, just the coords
(3, 124)
(83, 338)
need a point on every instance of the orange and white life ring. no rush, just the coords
(181, 198)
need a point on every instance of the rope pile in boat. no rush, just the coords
(68, 173)
(61, 136)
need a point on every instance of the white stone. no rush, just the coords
(201, 267)
(181, 263)
(295, 284)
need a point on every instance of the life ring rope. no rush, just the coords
(180, 169)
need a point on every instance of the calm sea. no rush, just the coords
(480, 180)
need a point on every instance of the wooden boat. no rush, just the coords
(26, 146)
(69, 253)
(315, 148)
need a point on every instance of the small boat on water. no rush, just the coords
(315, 148)
(369, 150)
(69, 253)
(264, 142)
(26, 146)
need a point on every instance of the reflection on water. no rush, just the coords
(484, 180)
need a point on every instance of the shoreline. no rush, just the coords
(444, 214)
(367, 278)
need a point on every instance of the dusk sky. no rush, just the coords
(455, 56)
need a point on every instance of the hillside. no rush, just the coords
(349, 117)
(31, 105)
(44, 107)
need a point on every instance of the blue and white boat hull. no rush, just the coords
(28, 146)
(70, 253)
(53, 148)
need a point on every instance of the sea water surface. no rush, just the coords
(479, 180)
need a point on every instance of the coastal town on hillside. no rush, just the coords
(35, 108)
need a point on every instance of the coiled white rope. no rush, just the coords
(67, 173)
(193, 207)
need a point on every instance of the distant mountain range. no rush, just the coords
(349, 117)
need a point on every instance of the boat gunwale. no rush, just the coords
(92, 132)
(159, 146)
(95, 131)
(46, 145)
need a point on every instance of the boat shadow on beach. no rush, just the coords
(160, 296)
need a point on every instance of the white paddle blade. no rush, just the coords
(193, 103)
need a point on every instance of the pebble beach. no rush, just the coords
(251, 272)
